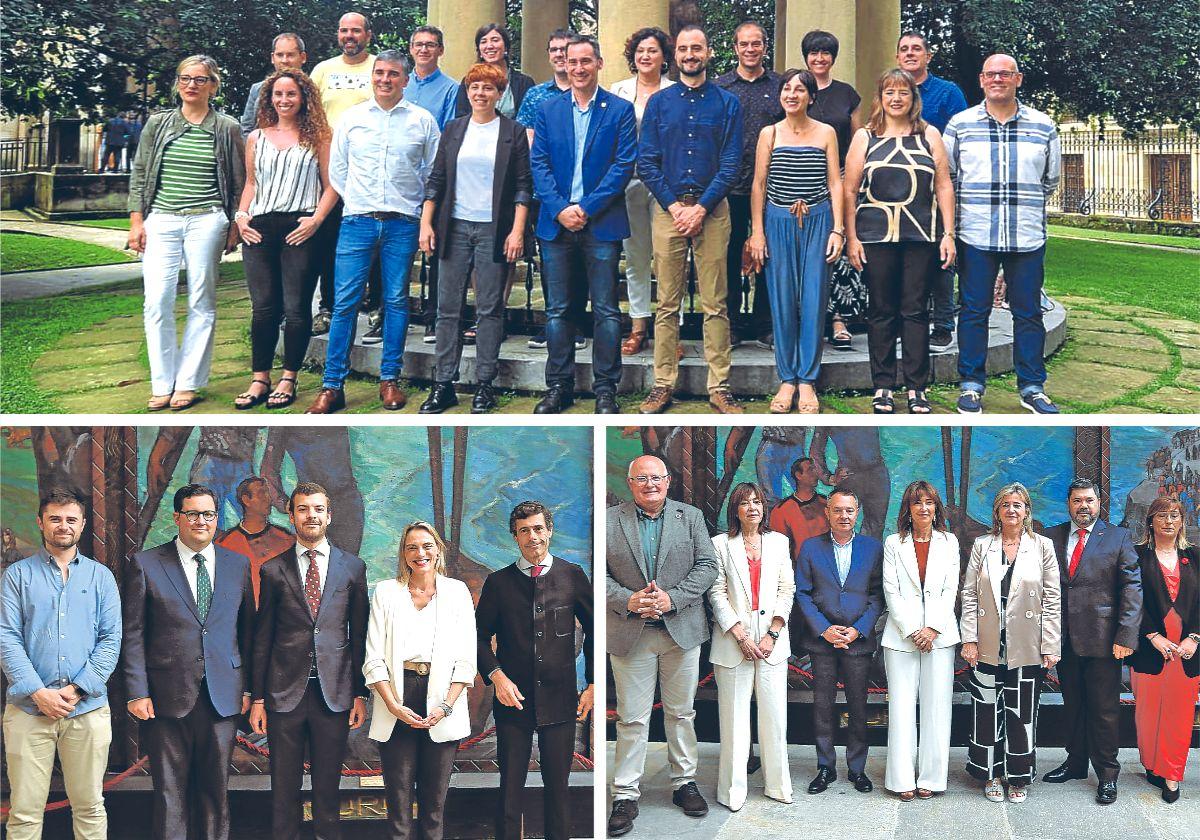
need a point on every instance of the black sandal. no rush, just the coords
(841, 339)
(883, 403)
(282, 399)
(918, 403)
(246, 400)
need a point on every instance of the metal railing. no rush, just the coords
(24, 155)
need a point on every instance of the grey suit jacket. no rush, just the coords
(687, 569)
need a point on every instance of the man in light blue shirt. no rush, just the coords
(379, 161)
(429, 87)
(60, 636)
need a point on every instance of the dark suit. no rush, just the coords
(308, 672)
(1101, 607)
(533, 623)
(193, 672)
(825, 601)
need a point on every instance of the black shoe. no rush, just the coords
(557, 400)
(825, 776)
(606, 403)
(1106, 793)
(860, 781)
(689, 799)
(1063, 773)
(374, 335)
(620, 821)
(440, 398)
(1170, 796)
(940, 338)
(484, 399)
(1155, 780)
(766, 341)
(430, 336)
(753, 764)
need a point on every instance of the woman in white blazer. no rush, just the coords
(420, 659)
(1011, 636)
(751, 602)
(920, 586)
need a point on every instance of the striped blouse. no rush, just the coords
(285, 180)
(187, 178)
(797, 173)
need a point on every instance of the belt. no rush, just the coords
(657, 625)
(190, 211)
(421, 669)
(688, 199)
(390, 216)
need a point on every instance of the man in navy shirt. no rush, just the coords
(689, 156)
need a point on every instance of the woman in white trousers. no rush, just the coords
(920, 585)
(751, 601)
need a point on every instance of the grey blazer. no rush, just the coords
(687, 569)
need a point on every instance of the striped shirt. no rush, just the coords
(188, 175)
(285, 180)
(797, 173)
(1003, 174)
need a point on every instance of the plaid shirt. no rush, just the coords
(1003, 173)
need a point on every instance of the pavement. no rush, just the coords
(1051, 812)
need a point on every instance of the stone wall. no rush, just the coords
(16, 191)
(61, 195)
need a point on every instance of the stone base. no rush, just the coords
(60, 196)
(523, 369)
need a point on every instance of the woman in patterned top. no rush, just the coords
(182, 193)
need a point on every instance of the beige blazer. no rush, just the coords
(731, 601)
(627, 90)
(454, 646)
(912, 606)
(1032, 619)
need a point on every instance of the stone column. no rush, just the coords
(878, 31)
(459, 19)
(618, 19)
(866, 31)
(538, 20)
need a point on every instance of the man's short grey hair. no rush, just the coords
(395, 57)
(585, 39)
(288, 35)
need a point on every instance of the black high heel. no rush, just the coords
(1169, 796)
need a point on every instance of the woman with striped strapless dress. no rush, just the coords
(796, 214)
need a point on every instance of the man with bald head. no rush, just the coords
(1005, 158)
(660, 564)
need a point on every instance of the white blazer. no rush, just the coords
(454, 646)
(731, 598)
(912, 606)
(627, 90)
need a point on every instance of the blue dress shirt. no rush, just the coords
(941, 99)
(582, 120)
(436, 93)
(534, 99)
(54, 633)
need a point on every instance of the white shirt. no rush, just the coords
(322, 549)
(420, 626)
(380, 160)
(476, 172)
(524, 565)
(189, 565)
(842, 554)
(1073, 539)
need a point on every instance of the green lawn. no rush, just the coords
(30, 252)
(1191, 243)
(120, 223)
(1164, 281)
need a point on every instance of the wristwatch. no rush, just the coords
(1195, 637)
(446, 707)
(773, 634)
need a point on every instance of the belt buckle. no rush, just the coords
(422, 669)
(689, 199)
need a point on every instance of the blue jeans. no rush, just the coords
(358, 239)
(599, 263)
(1023, 275)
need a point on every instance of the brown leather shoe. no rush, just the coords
(633, 345)
(328, 401)
(722, 401)
(392, 396)
(657, 400)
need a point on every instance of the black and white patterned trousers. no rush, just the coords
(1004, 704)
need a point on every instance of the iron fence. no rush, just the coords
(24, 155)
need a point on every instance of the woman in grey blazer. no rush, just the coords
(1011, 636)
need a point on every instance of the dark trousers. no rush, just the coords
(830, 668)
(189, 763)
(410, 758)
(1091, 690)
(325, 733)
(555, 750)
(757, 322)
(281, 283)
(898, 275)
(470, 248)
(326, 253)
(943, 308)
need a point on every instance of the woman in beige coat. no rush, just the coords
(1010, 630)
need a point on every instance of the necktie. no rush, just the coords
(1077, 553)
(312, 583)
(534, 571)
(203, 587)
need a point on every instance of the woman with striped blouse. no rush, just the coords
(796, 214)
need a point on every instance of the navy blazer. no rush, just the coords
(609, 154)
(1102, 605)
(823, 601)
(168, 651)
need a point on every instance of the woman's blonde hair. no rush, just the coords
(439, 566)
(1158, 506)
(1014, 489)
(210, 67)
(877, 122)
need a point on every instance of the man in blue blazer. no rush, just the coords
(839, 589)
(188, 610)
(584, 148)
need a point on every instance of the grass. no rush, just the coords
(31, 252)
(120, 223)
(1068, 232)
(1163, 281)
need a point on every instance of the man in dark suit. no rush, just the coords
(584, 148)
(188, 610)
(530, 607)
(309, 642)
(1102, 611)
(839, 589)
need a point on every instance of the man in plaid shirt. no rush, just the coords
(1005, 158)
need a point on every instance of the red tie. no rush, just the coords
(312, 583)
(534, 571)
(1077, 553)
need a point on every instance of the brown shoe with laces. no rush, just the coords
(392, 395)
(328, 401)
(657, 400)
(722, 401)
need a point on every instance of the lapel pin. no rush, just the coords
(603, 104)
(679, 514)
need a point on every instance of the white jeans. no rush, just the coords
(928, 678)
(734, 688)
(655, 659)
(639, 205)
(173, 242)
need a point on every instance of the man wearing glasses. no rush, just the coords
(660, 564)
(188, 618)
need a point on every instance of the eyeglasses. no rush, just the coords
(425, 45)
(998, 74)
(643, 480)
(1168, 515)
(200, 81)
(553, 50)
(195, 516)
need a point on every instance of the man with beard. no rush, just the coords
(60, 635)
(255, 536)
(802, 514)
(305, 680)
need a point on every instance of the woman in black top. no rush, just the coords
(492, 43)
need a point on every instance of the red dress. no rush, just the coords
(1165, 701)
